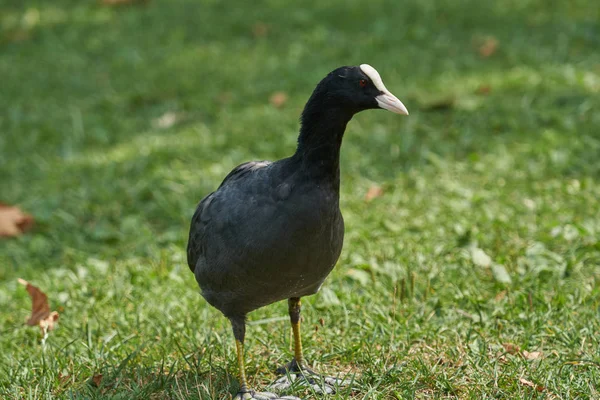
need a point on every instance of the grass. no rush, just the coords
(487, 234)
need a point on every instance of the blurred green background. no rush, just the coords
(115, 120)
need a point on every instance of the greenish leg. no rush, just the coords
(297, 371)
(240, 358)
(239, 332)
(294, 307)
(245, 393)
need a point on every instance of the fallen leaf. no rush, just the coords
(483, 90)
(511, 348)
(532, 385)
(63, 379)
(13, 222)
(501, 295)
(40, 309)
(278, 99)
(488, 47)
(534, 355)
(97, 379)
(373, 192)
(260, 29)
(47, 324)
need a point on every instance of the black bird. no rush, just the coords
(274, 230)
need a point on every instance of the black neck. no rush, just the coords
(320, 140)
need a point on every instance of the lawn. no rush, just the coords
(474, 275)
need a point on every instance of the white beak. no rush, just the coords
(390, 102)
(385, 100)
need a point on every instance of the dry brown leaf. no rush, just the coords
(373, 192)
(48, 323)
(532, 385)
(260, 29)
(278, 99)
(63, 379)
(97, 379)
(40, 309)
(534, 355)
(511, 348)
(13, 221)
(483, 90)
(488, 47)
(501, 295)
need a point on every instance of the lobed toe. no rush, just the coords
(263, 396)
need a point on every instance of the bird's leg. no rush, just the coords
(239, 332)
(297, 364)
(294, 309)
(297, 370)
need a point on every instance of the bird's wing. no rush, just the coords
(197, 230)
(244, 169)
(204, 213)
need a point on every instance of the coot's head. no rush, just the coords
(356, 89)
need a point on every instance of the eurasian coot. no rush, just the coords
(274, 230)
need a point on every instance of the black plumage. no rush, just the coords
(274, 230)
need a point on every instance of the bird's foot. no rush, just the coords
(298, 375)
(262, 396)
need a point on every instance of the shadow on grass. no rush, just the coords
(144, 383)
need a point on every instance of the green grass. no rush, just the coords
(413, 309)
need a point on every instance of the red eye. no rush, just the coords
(362, 82)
